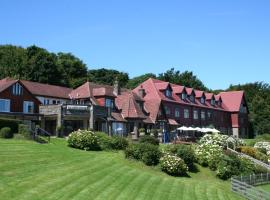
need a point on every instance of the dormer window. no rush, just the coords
(17, 89)
(183, 96)
(192, 98)
(202, 100)
(168, 93)
(218, 102)
(212, 101)
(109, 103)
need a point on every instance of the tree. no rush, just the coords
(12, 61)
(258, 99)
(74, 70)
(107, 76)
(42, 67)
(134, 82)
(186, 78)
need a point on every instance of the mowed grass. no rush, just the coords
(29, 170)
(265, 187)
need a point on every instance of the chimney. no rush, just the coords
(116, 87)
(142, 92)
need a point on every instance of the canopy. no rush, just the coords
(215, 130)
(182, 128)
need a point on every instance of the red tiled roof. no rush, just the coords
(209, 96)
(118, 117)
(41, 89)
(177, 89)
(6, 83)
(199, 93)
(232, 100)
(126, 102)
(189, 90)
(172, 122)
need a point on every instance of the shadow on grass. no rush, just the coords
(193, 168)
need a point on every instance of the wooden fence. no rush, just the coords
(244, 185)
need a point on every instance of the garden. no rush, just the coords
(180, 159)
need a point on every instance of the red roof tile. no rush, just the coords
(6, 83)
(41, 89)
(232, 100)
(126, 102)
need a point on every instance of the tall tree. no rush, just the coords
(74, 70)
(186, 78)
(42, 67)
(134, 82)
(13, 60)
(107, 76)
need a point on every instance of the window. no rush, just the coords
(192, 98)
(17, 89)
(4, 105)
(202, 100)
(195, 114)
(202, 115)
(168, 93)
(167, 110)
(28, 107)
(186, 113)
(209, 114)
(177, 112)
(109, 103)
(183, 96)
(212, 101)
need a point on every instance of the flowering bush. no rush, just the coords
(253, 152)
(221, 140)
(83, 139)
(208, 153)
(263, 145)
(173, 165)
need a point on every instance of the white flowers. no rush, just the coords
(173, 165)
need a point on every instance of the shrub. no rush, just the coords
(230, 165)
(149, 139)
(133, 152)
(187, 154)
(263, 137)
(253, 152)
(12, 124)
(104, 141)
(83, 139)
(149, 154)
(173, 165)
(119, 143)
(6, 133)
(24, 130)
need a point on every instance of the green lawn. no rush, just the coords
(30, 170)
(265, 187)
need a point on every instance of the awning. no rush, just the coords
(118, 117)
(172, 122)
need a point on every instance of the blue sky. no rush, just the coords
(222, 42)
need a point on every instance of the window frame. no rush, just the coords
(177, 112)
(186, 113)
(27, 105)
(195, 114)
(6, 105)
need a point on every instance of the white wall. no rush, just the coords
(44, 100)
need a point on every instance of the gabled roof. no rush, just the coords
(232, 100)
(189, 90)
(38, 89)
(178, 89)
(41, 89)
(92, 90)
(199, 93)
(209, 96)
(6, 83)
(126, 102)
